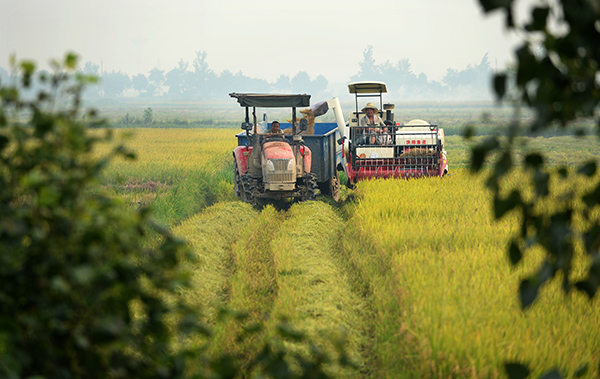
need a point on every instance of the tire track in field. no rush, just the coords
(283, 266)
(313, 290)
(211, 235)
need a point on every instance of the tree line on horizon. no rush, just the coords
(200, 82)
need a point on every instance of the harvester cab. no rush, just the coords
(273, 165)
(391, 150)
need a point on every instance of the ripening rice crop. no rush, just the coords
(416, 279)
(176, 171)
(435, 268)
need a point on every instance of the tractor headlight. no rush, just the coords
(270, 165)
(290, 166)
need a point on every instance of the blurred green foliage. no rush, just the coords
(556, 75)
(72, 299)
(83, 294)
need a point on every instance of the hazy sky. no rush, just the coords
(261, 38)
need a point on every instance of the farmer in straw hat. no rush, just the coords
(371, 123)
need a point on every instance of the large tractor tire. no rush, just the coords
(237, 181)
(331, 187)
(311, 187)
(247, 184)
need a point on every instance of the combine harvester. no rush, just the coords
(411, 150)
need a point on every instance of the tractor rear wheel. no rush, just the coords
(246, 190)
(237, 181)
(311, 187)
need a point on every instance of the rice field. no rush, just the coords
(411, 277)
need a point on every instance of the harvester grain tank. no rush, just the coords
(291, 165)
(394, 150)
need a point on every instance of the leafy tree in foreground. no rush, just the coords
(80, 295)
(557, 76)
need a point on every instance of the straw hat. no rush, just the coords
(370, 105)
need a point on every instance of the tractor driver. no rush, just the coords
(370, 126)
(274, 128)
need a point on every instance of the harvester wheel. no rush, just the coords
(334, 187)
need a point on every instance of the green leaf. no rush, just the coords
(539, 16)
(591, 283)
(71, 61)
(591, 239)
(528, 68)
(514, 253)
(504, 164)
(500, 85)
(480, 152)
(3, 120)
(541, 181)
(468, 132)
(288, 332)
(28, 68)
(588, 287)
(534, 160)
(59, 284)
(490, 5)
(3, 142)
(528, 291)
(588, 169)
(516, 370)
(581, 371)
(563, 172)
(48, 195)
(552, 374)
(592, 198)
(501, 207)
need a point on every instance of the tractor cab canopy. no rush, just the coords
(257, 100)
(367, 89)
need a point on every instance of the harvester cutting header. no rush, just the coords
(380, 147)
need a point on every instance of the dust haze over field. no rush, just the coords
(262, 39)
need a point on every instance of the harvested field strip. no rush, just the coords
(313, 291)
(211, 235)
(252, 287)
(443, 294)
(284, 266)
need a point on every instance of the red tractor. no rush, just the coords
(273, 165)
